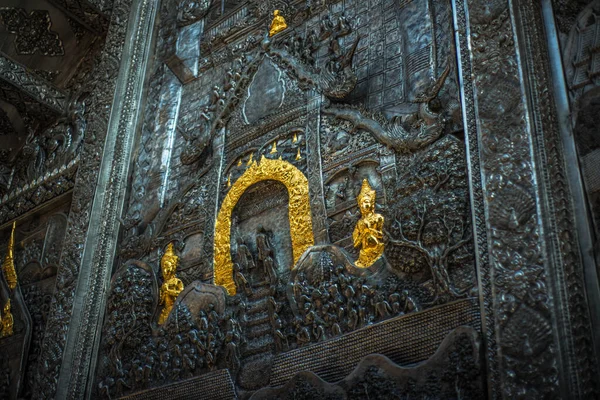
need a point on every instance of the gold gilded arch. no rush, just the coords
(298, 213)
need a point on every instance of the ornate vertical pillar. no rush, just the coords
(213, 189)
(535, 314)
(78, 305)
(388, 171)
(315, 171)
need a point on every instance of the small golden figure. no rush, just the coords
(7, 321)
(8, 266)
(368, 233)
(172, 285)
(278, 23)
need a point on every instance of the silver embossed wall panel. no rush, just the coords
(350, 92)
(337, 199)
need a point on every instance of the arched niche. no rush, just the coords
(298, 212)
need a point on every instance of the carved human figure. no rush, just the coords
(341, 313)
(341, 190)
(349, 292)
(301, 284)
(409, 304)
(363, 316)
(244, 256)
(232, 356)
(172, 285)
(368, 233)
(318, 332)
(336, 330)
(240, 280)
(302, 334)
(382, 308)
(273, 306)
(326, 27)
(262, 244)
(235, 328)
(7, 320)
(270, 270)
(395, 303)
(210, 355)
(278, 24)
(240, 310)
(203, 321)
(280, 340)
(213, 321)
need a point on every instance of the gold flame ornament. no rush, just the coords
(368, 233)
(172, 285)
(274, 148)
(8, 266)
(278, 24)
(7, 320)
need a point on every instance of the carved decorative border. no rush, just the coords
(105, 161)
(99, 254)
(38, 89)
(34, 194)
(531, 272)
(572, 315)
(315, 169)
(480, 234)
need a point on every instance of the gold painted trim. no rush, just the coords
(8, 266)
(298, 213)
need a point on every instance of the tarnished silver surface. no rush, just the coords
(446, 109)
(47, 95)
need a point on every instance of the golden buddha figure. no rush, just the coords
(7, 320)
(368, 233)
(172, 285)
(278, 24)
(8, 266)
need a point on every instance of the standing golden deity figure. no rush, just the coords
(7, 320)
(8, 266)
(172, 285)
(278, 24)
(368, 233)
